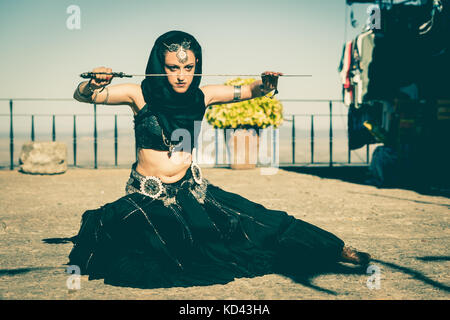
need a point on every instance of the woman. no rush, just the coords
(173, 227)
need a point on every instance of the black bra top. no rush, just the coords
(148, 132)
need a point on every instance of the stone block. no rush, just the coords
(48, 157)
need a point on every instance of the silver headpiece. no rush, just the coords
(180, 50)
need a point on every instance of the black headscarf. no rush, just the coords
(173, 110)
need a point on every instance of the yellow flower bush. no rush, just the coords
(256, 113)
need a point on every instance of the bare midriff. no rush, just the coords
(157, 163)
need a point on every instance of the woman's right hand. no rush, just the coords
(101, 80)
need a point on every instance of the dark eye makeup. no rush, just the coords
(174, 67)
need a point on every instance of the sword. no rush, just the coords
(90, 75)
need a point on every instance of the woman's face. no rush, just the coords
(180, 74)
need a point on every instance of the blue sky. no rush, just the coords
(41, 57)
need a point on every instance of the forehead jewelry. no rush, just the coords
(180, 50)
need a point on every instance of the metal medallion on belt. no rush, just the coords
(151, 186)
(196, 173)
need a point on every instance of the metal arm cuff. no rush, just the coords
(237, 93)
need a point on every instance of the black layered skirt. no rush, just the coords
(191, 233)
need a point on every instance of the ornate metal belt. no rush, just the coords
(152, 186)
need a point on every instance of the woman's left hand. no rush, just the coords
(270, 80)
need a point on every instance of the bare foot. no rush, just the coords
(353, 256)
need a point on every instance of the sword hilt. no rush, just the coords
(91, 75)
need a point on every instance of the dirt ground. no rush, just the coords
(406, 232)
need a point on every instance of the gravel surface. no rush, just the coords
(406, 232)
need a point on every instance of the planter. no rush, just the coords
(243, 148)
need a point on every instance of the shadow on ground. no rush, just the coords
(59, 240)
(13, 272)
(361, 175)
(306, 278)
(419, 275)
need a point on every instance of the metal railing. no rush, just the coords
(287, 117)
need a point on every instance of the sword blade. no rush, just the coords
(89, 75)
(216, 75)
